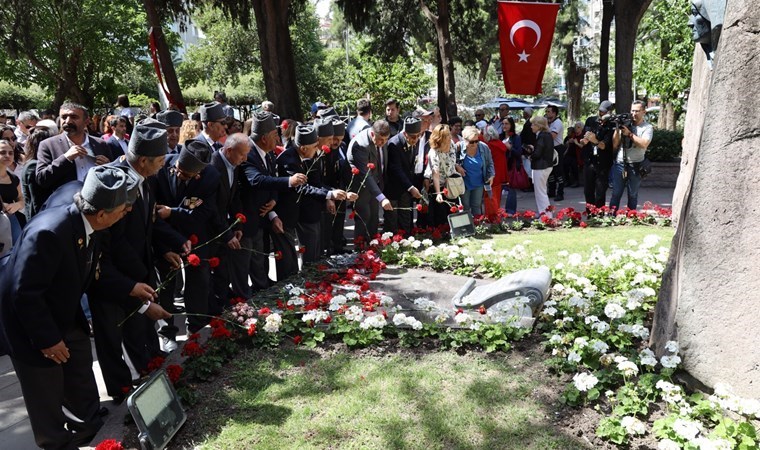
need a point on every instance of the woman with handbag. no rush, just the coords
(476, 160)
(518, 178)
(542, 163)
(442, 170)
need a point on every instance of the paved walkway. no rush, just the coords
(16, 433)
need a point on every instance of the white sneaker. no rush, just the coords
(168, 345)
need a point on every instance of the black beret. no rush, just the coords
(324, 127)
(212, 112)
(305, 135)
(263, 123)
(170, 118)
(195, 156)
(339, 127)
(105, 187)
(148, 141)
(412, 125)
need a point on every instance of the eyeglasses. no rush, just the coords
(472, 142)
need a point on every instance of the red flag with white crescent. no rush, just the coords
(526, 31)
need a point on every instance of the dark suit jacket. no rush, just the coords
(113, 144)
(258, 185)
(400, 166)
(362, 151)
(53, 169)
(304, 203)
(199, 220)
(130, 245)
(42, 285)
(227, 197)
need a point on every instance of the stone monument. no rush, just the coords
(709, 297)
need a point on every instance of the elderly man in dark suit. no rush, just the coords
(227, 162)
(401, 189)
(42, 325)
(300, 208)
(186, 200)
(368, 153)
(173, 121)
(71, 154)
(259, 189)
(336, 174)
(213, 119)
(122, 300)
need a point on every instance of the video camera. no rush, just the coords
(611, 122)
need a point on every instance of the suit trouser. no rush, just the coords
(285, 243)
(367, 215)
(137, 333)
(338, 226)
(220, 293)
(245, 263)
(309, 235)
(71, 385)
(197, 283)
(399, 219)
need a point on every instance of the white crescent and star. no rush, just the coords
(525, 24)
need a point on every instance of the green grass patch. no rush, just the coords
(294, 398)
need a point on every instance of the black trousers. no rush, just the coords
(596, 182)
(251, 261)
(400, 219)
(309, 236)
(285, 243)
(70, 385)
(367, 218)
(220, 292)
(556, 183)
(197, 283)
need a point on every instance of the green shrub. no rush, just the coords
(22, 98)
(665, 145)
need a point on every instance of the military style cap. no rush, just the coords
(328, 112)
(263, 123)
(412, 125)
(105, 187)
(324, 127)
(305, 135)
(170, 118)
(153, 123)
(212, 112)
(195, 156)
(339, 127)
(148, 141)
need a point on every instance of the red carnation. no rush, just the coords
(264, 311)
(302, 250)
(193, 239)
(155, 363)
(174, 371)
(297, 339)
(213, 262)
(454, 209)
(251, 329)
(126, 389)
(584, 224)
(370, 166)
(445, 191)
(192, 348)
(352, 215)
(240, 217)
(193, 260)
(461, 208)
(284, 125)
(355, 171)
(419, 207)
(110, 444)
(278, 255)
(482, 309)
(326, 150)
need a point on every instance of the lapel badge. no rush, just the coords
(80, 242)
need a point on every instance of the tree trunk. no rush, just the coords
(164, 56)
(485, 64)
(608, 13)
(575, 76)
(277, 62)
(628, 14)
(448, 104)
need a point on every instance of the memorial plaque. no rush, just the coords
(157, 411)
(461, 224)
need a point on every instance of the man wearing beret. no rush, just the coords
(122, 299)
(173, 121)
(336, 173)
(300, 208)
(259, 191)
(401, 189)
(186, 200)
(213, 119)
(368, 153)
(42, 325)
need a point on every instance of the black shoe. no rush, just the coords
(559, 198)
(103, 411)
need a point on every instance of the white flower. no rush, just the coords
(563, 253)
(667, 444)
(386, 235)
(580, 342)
(416, 244)
(687, 429)
(574, 357)
(614, 311)
(469, 261)
(671, 346)
(650, 241)
(578, 302)
(555, 339)
(273, 322)
(427, 242)
(354, 313)
(599, 346)
(629, 368)
(399, 319)
(550, 311)
(441, 317)
(584, 381)
(647, 358)
(462, 318)
(336, 302)
(352, 295)
(600, 327)
(591, 319)
(704, 443)
(670, 362)
(453, 255)
(376, 321)
(575, 259)
(293, 290)
(395, 245)
(414, 323)
(315, 315)
(633, 425)
(296, 301)
(386, 301)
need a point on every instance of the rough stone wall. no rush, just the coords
(712, 283)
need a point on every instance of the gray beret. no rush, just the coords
(105, 187)
(339, 127)
(324, 127)
(305, 135)
(325, 113)
(148, 141)
(153, 123)
(412, 125)
(212, 112)
(263, 123)
(170, 118)
(195, 156)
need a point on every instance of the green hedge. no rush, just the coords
(22, 98)
(665, 146)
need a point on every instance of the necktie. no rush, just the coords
(217, 146)
(88, 255)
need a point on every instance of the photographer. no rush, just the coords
(597, 154)
(632, 142)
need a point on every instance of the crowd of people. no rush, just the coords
(113, 218)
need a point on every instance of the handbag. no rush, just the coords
(643, 168)
(518, 177)
(454, 186)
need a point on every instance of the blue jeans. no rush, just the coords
(472, 200)
(632, 182)
(511, 205)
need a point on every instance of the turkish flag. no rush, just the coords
(525, 36)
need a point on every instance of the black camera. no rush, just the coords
(611, 122)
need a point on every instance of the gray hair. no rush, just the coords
(87, 208)
(234, 140)
(541, 123)
(266, 105)
(71, 105)
(381, 128)
(490, 134)
(27, 115)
